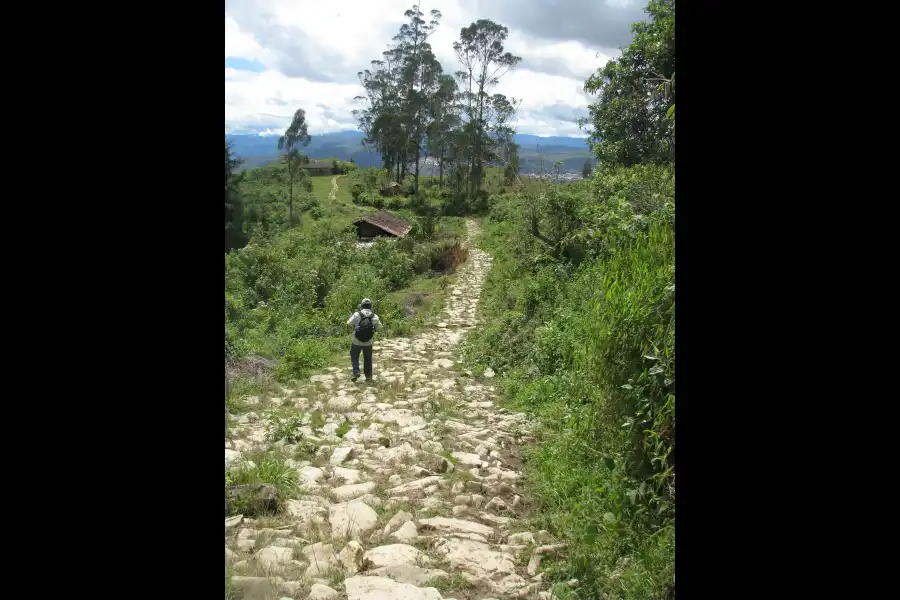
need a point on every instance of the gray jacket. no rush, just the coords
(355, 319)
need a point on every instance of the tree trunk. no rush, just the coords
(441, 170)
(418, 156)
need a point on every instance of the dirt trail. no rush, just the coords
(332, 195)
(416, 499)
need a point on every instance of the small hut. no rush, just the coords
(392, 189)
(319, 167)
(381, 224)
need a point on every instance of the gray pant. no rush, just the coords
(367, 359)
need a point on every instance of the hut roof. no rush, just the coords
(388, 222)
(318, 164)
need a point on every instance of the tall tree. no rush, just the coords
(296, 133)
(421, 80)
(294, 162)
(512, 164)
(480, 52)
(233, 205)
(443, 123)
(380, 117)
(632, 120)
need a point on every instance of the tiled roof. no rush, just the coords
(388, 222)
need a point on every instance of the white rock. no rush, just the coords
(476, 558)
(347, 475)
(233, 521)
(304, 509)
(321, 557)
(273, 557)
(342, 403)
(489, 373)
(382, 588)
(232, 456)
(310, 476)
(351, 518)
(417, 484)
(534, 564)
(432, 446)
(394, 554)
(348, 492)
(371, 500)
(255, 587)
(407, 532)
(467, 458)
(496, 503)
(494, 520)
(352, 557)
(433, 503)
(395, 454)
(398, 519)
(446, 525)
(319, 591)
(525, 537)
(341, 454)
(512, 550)
(410, 574)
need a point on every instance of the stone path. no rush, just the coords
(334, 188)
(409, 486)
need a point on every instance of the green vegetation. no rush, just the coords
(580, 301)
(286, 428)
(414, 110)
(581, 306)
(634, 121)
(261, 468)
(290, 290)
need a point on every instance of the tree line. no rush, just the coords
(412, 109)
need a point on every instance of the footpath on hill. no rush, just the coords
(412, 487)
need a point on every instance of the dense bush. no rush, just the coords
(288, 296)
(582, 325)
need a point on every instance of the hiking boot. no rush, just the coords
(354, 377)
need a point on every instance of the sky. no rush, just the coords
(281, 55)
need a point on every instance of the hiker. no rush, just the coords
(365, 324)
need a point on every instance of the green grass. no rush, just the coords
(454, 584)
(583, 334)
(289, 294)
(266, 468)
(343, 428)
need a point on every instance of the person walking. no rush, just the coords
(365, 323)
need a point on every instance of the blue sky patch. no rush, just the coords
(243, 64)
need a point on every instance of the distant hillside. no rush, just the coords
(260, 150)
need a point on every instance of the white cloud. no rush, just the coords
(311, 57)
(241, 44)
(267, 100)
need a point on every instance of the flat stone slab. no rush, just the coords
(383, 588)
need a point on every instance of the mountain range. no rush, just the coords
(258, 150)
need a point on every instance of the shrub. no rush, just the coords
(357, 190)
(587, 346)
